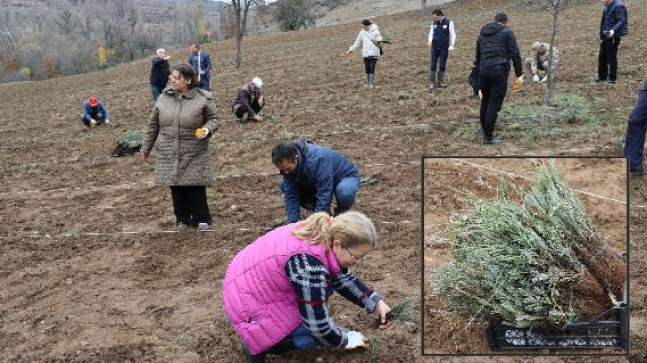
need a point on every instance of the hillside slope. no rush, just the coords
(91, 271)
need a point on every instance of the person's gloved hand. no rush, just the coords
(201, 133)
(516, 86)
(349, 52)
(451, 47)
(93, 123)
(107, 122)
(544, 79)
(535, 78)
(609, 34)
(355, 340)
(258, 118)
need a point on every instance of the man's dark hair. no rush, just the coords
(188, 72)
(284, 151)
(197, 45)
(437, 12)
(501, 18)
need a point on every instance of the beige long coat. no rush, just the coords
(182, 159)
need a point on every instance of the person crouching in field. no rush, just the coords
(94, 113)
(370, 40)
(276, 290)
(249, 101)
(537, 61)
(184, 117)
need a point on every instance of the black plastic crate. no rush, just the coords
(609, 330)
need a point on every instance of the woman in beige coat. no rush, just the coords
(184, 118)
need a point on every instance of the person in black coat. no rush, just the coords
(495, 47)
(160, 71)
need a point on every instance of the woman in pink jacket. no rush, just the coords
(276, 290)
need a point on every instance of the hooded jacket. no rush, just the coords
(367, 40)
(497, 45)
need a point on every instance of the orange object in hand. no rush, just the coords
(201, 133)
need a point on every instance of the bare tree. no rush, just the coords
(424, 7)
(294, 14)
(241, 11)
(554, 8)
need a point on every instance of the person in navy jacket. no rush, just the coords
(613, 26)
(442, 37)
(312, 175)
(636, 128)
(202, 64)
(94, 113)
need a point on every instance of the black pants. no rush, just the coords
(494, 85)
(240, 111)
(190, 204)
(608, 59)
(369, 64)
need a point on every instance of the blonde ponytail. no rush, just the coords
(350, 228)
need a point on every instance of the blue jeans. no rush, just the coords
(436, 53)
(636, 128)
(345, 193)
(157, 90)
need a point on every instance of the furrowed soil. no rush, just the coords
(90, 272)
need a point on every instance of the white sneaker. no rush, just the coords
(203, 226)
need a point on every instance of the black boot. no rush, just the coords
(434, 80)
(441, 80)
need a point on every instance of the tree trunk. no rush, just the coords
(239, 39)
(549, 71)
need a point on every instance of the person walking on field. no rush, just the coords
(495, 47)
(312, 176)
(370, 39)
(538, 61)
(160, 70)
(442, 37)
(183, 118)
(276, 290)
(201, 61)
(613, 26)
(636, 129)
(249, 101)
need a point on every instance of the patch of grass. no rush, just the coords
(572, 108)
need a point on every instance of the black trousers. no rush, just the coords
(240, 111)
(369, 64)
(190, 204)
(494, 85)
(608, 59)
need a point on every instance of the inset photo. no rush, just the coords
(525, 255)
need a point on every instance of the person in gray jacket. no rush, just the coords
(370, 40)
(538, 61)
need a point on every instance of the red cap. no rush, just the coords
(93, 101)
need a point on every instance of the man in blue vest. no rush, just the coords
(442, 36)
(636, 129)
(202, 64)
(613, 26)
(312, 175)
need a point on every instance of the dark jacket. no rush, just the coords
(496, 45)
(319, 171)
(92, 112)
(245, 98)
(614, 17)
(205, 62)
(160, 71)
(639, 112)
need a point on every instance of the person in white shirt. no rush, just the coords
(442, 36)
(370, 40)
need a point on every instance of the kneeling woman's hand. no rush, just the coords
(382, 310)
